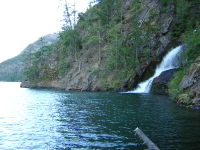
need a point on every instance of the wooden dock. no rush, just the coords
(146, 140)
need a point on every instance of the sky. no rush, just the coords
(24, 21)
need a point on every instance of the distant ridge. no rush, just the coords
(12, 69)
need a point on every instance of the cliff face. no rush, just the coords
(81, 75)
(157, 24)
(190, 85)
(117, 44)
(142, 30)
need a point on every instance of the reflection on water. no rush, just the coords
(46, 119)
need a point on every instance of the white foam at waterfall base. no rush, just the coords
(170, 61)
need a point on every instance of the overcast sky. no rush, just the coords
(24, 21)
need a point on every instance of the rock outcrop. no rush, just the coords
(190, 84)
(160, 43)
(116, 50)
(159, 85)
(84, 74)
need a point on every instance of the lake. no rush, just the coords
(57, 120)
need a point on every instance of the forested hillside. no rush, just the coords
(13, 69)
(116, 44)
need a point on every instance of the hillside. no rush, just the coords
(12, 69)
(117, 44)
(104, 49)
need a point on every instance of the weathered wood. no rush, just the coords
(146, 140)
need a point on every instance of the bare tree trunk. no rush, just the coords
(79, 66)
(99, 45)
(74, 13)
(75, 49)
(74, 23)
(116, 52)
(146, 140)
(121, 15)
(68, 15)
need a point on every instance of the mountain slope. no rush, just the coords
(116, 44)
(113, 45)
(12, 69)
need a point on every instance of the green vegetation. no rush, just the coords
(31, 70)
(174, 84)
(187, 16)
(184, 99)
(192, 40)
(117, 40)
(103, 25)
(115, 79)
(70, 40)
(35, 62)
(186, 27)
(10, 69)
(11, 77)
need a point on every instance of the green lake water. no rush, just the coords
(57, 120)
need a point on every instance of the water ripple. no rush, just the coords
(48, 120)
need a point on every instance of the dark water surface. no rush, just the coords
(48, 120)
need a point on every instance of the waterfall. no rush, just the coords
(170, 61)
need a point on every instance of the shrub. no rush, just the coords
(174, 85)
(192, 39)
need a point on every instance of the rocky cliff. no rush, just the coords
(115, 45)
(159, 84)
(144, 29)
(190, 86)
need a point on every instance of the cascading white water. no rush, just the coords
(170, 61)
